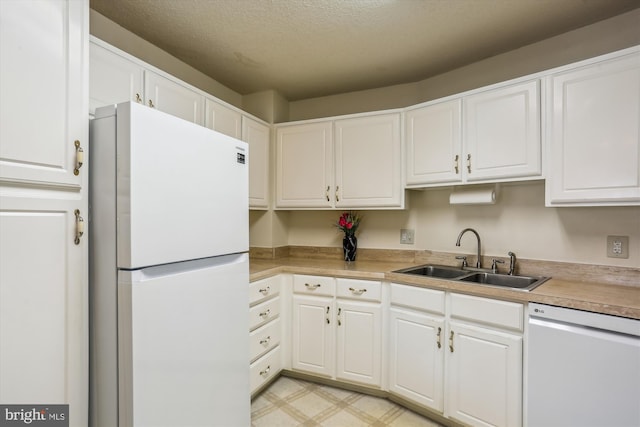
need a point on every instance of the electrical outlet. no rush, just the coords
(618, 246)
(407, 236)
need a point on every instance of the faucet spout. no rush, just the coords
(478, 264)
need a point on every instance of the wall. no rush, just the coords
(606, 36)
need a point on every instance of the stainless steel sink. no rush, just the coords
(439, 271)
(526, 283)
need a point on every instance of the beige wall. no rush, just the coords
(518, 222)
(606, 36)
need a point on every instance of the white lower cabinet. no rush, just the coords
(265, 331)
(337, 337)
(467, 364)
(416, 353)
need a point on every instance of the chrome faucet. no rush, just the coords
(512, 263)
(477, 236)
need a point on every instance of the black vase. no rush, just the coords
(350, 246)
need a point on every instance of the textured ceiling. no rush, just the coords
(309, 48)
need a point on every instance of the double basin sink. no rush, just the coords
(470, 275)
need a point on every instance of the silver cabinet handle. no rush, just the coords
(266, 313)
(266, 371)
(358, 291)
(451, 342)
(469, 163)
(79, 157)
(264, 291)
(79, 226)
(456, 164)
(438, 337)
(312, 287)
(266, 340)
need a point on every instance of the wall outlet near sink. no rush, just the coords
(407, 236)
(618, 246)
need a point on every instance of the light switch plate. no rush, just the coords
(407, 236)
(618, 246)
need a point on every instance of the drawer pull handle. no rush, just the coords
(266, 340)
(456, 164)
(358, 291)
(151, 104)
(339, 321)
(439, 333)
(138, 98)
(264, 291)
(266, 371)
(337, 193)
(469, 163)
(327, 193)
(266, 313)
(312, 287)
(79, 226)
(451, 342)
(328, 321)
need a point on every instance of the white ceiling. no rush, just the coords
(309, 48)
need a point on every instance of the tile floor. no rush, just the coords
(293, 402)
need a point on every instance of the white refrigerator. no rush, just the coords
(169, 272)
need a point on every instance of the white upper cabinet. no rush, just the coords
(488, 136)
(114, 78)
(368, 162)
(434, 143)
(173, 98)
(352, 162)
(502, 133)
(257, 135)
(43, 102)
(223, 119)
(594, 134)
(304, 165)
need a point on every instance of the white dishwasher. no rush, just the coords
(583, 369)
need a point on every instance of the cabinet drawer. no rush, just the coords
(503, 314)
(265, 368)
(366, 290)
(314, 285)
(418, 298)
(263, 312)
(264, 339)
(264, 289)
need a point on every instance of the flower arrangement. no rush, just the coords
(349, 222)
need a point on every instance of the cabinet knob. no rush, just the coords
(79, 157)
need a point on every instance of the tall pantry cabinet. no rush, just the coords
(43, 200)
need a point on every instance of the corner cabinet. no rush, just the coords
(594, 141)
(350, 162)
(44, 327)
(489, 135)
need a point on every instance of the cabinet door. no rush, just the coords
(43, 107)
(313, 335)
(434, 144)
(594, 150)
(416, 358)
(368, 162)
(257, 135)
(223, 119)
(173, 98)
(44, 334)
(113, 78)
(359, 342)
(304, 162)
(502, 133)
(484, 376)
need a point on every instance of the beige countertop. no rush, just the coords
(618, 300)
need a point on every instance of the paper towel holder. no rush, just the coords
(474, 195)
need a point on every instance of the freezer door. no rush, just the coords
(182, 189)
(183, 346)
